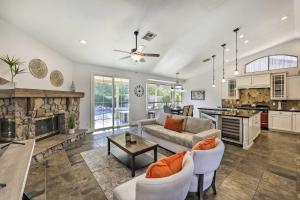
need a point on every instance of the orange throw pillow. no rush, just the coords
(166, 166)
(174, 124)
(206, 144)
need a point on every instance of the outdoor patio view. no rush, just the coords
(111, 108)
(162, 94)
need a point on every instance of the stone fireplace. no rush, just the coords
(28, 113)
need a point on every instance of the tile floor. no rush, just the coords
(269, 170)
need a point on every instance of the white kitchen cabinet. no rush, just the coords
(254, 81)
(296, 122)
(261, 81)
(293, 88)
(229, 90)
(278, 86)
(279, 120)
(254, 126)
(244, 81)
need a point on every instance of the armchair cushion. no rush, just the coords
(166, 166)
(206, 134)
(206, 144)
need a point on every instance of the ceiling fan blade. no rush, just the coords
(150, 54)
(126, 57)
(142, 60)
(121, 51)
(140, 48)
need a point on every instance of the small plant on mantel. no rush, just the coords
(14, 66)
(71, 123)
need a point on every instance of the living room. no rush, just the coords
(93, 95)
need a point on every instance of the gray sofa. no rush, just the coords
(194, 130)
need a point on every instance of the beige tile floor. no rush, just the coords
(269, 170)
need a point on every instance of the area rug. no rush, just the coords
(108, 171)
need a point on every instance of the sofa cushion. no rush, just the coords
(161, 118)
(174, 124)
(184, 138)
(197, 125)
(181, 117)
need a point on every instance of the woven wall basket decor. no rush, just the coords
(38, 68)
(56, 78)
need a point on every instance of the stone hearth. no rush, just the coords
(36, 113)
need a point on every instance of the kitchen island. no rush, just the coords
(238, 126)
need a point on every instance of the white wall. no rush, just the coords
(14, 42)
(203, 80)
(83, 74)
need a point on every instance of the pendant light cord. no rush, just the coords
(236, 47)
(224, 46)
(213, 59)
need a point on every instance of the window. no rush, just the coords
(273, 62)
(282, 62)
(258, 65)
(160, 94)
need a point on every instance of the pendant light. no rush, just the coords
(213, 61)
(224, 47)
(177, 85)
(236, 72)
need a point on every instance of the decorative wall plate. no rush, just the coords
(139, 90)
(38, 68)
(56, 78)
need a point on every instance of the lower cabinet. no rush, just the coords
(296, 122)
(284, 121)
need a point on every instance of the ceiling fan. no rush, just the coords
(137, 53)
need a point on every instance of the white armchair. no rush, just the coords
(173, 187)
(206, 163)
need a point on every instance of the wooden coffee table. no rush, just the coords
(129, 155)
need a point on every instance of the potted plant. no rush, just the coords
(71, 123)
(14, 65)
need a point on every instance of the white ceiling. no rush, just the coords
(188, 31)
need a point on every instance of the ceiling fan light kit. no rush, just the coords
(136, 54)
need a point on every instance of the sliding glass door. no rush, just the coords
(111, 102)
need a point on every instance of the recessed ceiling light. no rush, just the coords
(227, 49)
(246, 41)
(82, 41)
(227, 61)
(242, 36)
(283, 18)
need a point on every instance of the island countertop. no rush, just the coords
(14, 167)
(229, 112)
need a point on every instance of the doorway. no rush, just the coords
(111, 102)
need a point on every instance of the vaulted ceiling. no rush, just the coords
(187, 31)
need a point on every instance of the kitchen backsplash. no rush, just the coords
(261, 95)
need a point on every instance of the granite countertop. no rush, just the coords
(229, 112)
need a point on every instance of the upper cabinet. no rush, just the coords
(278, 86)
(229, 90)
(254, 81)
(293, 88)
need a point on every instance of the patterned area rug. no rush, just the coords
(108, 171)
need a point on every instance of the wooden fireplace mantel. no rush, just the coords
(22, 92)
